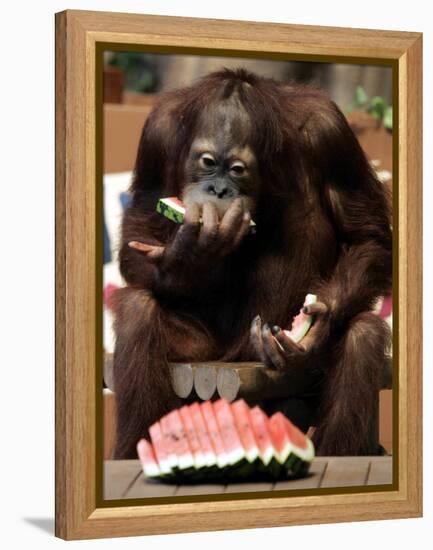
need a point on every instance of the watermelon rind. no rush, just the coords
(306, 455)
(149, 464)
(296, 334)
(299, 460)
(273, 456)
(173, 209)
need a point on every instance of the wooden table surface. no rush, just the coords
(125, 479)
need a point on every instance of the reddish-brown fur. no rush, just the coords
(323, 226)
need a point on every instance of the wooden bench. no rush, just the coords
(213, 379)
(124, 479)
(229, 380)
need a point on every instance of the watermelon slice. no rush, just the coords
(229, 434)
(193, 441)
(169, 444)
(203, 435)
(148, 459)
(245, 430)
(301, 324)
(219, 441)
(280, 438)
(302, 446)
(160, 448)
(180, 445)
(214, 433)
(260, 429)
(174, 209)
(294, 450)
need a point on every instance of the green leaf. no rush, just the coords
(361, 97)
(377, 107)
(387, 118)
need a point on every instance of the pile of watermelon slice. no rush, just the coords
(221, 441)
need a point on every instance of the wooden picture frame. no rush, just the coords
(80, 37)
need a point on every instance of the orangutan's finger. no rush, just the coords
(271, 349)
(288, 345)
(150, 250)
(256, 338)
(317, 308)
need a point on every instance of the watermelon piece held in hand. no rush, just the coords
(174, 209)
(302, 322)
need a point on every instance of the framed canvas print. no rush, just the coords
(238, 274)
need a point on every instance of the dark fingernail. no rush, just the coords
(266, 326)
(305, 309)
(257, 318)
(275, 329)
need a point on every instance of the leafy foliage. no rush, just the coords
(140, 70)
(377, 106)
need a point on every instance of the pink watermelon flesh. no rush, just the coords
(261, 434)
(229, 434)
(193, 441)
(179, 440)
(176, 201)
(295, 435)
(147, 459)
(241, 415)
(159, 447)
(214, 433)
(279, 436)
(202, 434)
(222, 434)
(301, 324)
(168, 442)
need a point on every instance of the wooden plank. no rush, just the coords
(123, 478)
(247, 35)
(380, 471)
(346, 471)
(410, 416)
(200, 489)
(118, 476)
(142, 488)
(312, 481)
(249, 487)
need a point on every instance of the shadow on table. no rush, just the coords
(44, 524)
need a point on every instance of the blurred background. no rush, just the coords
(131, 83)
